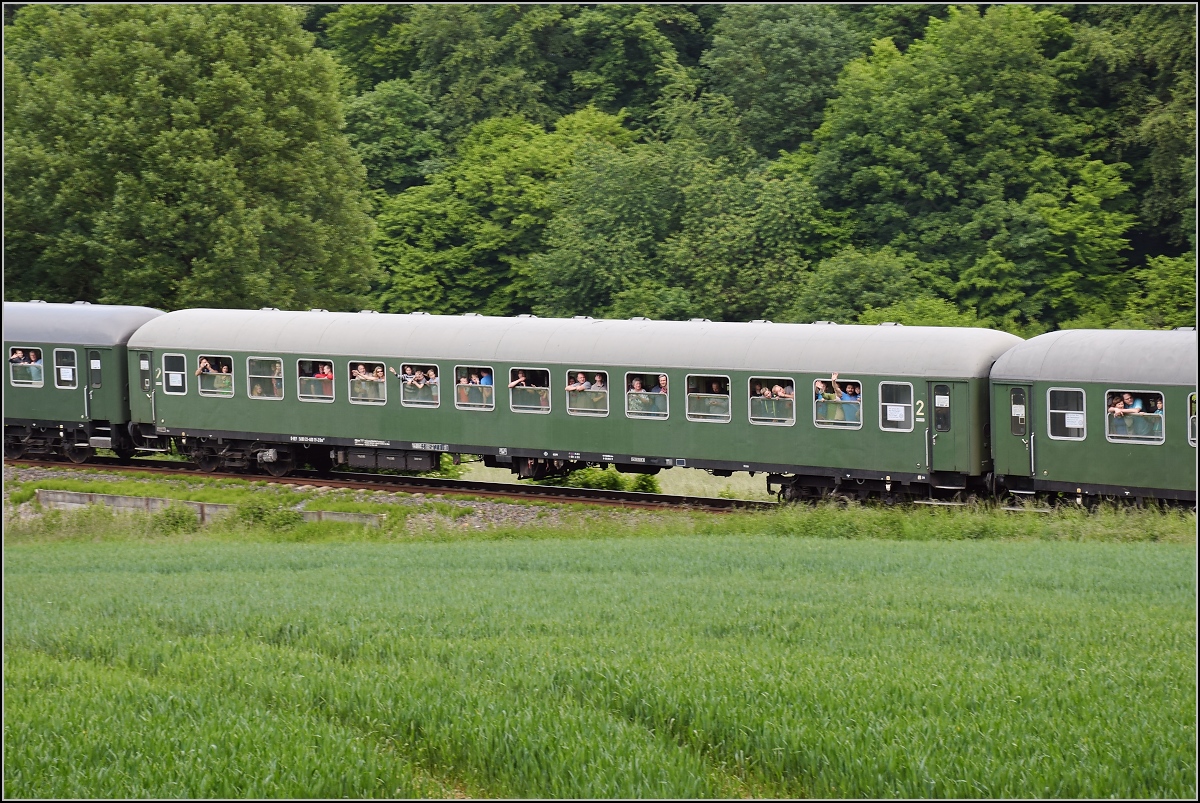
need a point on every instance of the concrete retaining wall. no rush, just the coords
(207, 511)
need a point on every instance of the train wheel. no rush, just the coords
(206, 461)
(124, 454)
(77, 454)
(281, 467)
(13, 450)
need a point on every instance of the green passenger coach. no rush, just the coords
(66, 391)
(1094, 414)
(868, 410)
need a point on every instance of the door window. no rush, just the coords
(144, 370)
(1017, 413)
(94, 378)
(941, 408)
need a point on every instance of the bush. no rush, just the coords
(608, 479)
(268, 515)
(176, 519)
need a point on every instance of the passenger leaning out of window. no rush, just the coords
(520, 382)
(822, 395)
(204, 368)
(848, 397)
(18, 357)
(580, 382)
(661, 387)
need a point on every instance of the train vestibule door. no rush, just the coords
(1014, 442)
(949, 439)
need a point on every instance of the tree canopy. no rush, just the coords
(1019, 167)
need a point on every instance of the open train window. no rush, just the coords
(23, 369)
(215, 374)
(646, 395)
(896, 406)
(419, 385)
(1068, 418)
(708, 399)
(837, 403)
(529, 390)
(587, 392)
(1134, 416)
(368, 382)
(66, 373)
(771, 400)
(314, 380)
(1192, 419)
(473, 387)
(174, 374)
(264, 378)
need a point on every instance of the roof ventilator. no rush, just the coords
(318, 309)
(582, 318)
(85, 303)
(269, 309)
(1185, 328)
(368, 312)
(526, 315)
(418, 312)
(640, 318)
(890, 323)
(700, 320)
(761, 320)
(36, 301)
(824, 323)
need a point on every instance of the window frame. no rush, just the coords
(22, 383)
(74, 369)
(95, 374)
(639, 415)
(1050, 411)
(1023, 419)
(1191, 403)
(832, 423)
(212, 394)
(251, 377)
(350, 379)
(476, 408)
(332, 382)
(166, 374)
(607, 395)
(912, 404)
(687, 413)
(420, 404)
(1126, 440)
(539, 410)
(750, 403)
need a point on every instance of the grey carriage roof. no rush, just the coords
(31, 323)
(1101, 355)
(888, 350)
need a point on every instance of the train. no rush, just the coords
(887, 412)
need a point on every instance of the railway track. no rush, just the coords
(435, 485)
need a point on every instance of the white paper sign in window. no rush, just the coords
(895, 412)
(145, 365)
(1074, 420)
(65, 374)
(175, 380)
(941, 401)
(1018, 411)
(95, 365)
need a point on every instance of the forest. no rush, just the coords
(1025, 168)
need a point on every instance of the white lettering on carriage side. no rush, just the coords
(1018, 411)
(941, 401)
(895, 412)
(432, 447)
(637, 459)
(1074, 421)
(369, 442)
(306, 439)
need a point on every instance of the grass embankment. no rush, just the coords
(575, 664)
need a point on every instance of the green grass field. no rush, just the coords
(911, 660)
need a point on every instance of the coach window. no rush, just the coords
(646, 395)
(215, 374)
(941, 408)
(708, 398)
(1192, 419)
(144, 370)
(772, 400)
(65, 372)
(264, 378)
(419, 385)
(1134, 416)
(529, 390)
(1016, 407)
(1068, 421)
(587, 392)
(837, 403)
(175, 374)
(23, 369)
(474, 388)
(896, 406)
(368, 382)
(314, 380)
(94, 377)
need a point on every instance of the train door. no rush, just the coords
(1013, 430)
(949, 435)
(142, 402)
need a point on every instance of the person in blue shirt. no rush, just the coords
(485, 377)
(848, 397)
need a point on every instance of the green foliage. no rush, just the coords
(779, 64)
(178, 156)
(176, 519)
(1166, 294)
(607, 479)
(920, 311)
(843, 286)
(268, 514)
(393, 127)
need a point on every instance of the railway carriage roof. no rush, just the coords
(1103, 355)
(880, 350)
(83, 324)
